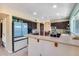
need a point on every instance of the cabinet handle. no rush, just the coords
(38, 40)
(56, 44)
(40, 54)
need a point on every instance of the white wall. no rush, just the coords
(7, 33)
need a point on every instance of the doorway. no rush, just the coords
(1, 33)
(41, 29)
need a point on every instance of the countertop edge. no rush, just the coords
(46, 39)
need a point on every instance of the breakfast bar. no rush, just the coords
(65, 45)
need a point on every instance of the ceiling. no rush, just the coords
(44, 10)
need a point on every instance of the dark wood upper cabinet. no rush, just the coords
(60, 25)
(31, 26)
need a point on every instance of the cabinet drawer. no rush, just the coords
(54, 49)
(33, 47)
(20, 44)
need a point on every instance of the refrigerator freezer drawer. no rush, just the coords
(20, 44)
(19, 38)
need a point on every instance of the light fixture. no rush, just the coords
(42, 17)
(54, 6)
(34, 13)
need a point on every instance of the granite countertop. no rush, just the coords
(63, 39)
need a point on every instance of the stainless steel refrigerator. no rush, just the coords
(20, 32)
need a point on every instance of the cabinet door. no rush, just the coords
(48, 48)
(64, 50)
(68, 50)
(54, 49)
(74, 51)
(20, 44)
(33, 47)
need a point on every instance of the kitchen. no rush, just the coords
(60, 38)
(46, 32)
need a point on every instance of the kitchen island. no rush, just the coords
(65, 45)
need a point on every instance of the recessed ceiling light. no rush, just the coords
(42, 17)
(34, 13)
(54, 6)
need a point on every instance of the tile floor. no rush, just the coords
(22, 52)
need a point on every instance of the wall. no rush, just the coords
(7, 33)
(38, 27)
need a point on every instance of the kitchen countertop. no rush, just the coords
(63, 39)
